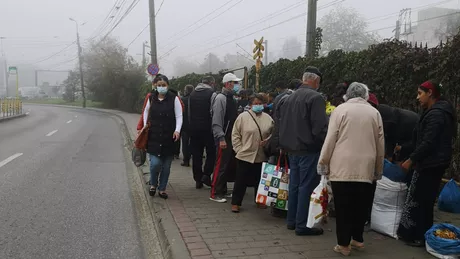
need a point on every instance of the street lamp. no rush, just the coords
(80, 61)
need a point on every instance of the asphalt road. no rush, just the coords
(64, 189)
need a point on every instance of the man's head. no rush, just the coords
(294, 84)
(188, 89)
(209, 80)
(231, 82)
(312, 77)
(280, 86)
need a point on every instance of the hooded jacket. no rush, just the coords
(435, 131)
(199, 108)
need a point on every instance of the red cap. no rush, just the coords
(373, 99)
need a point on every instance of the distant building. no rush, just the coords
(433, 25)
(3, 77)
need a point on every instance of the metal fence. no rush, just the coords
(10, 107)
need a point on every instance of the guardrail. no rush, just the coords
(10, 107)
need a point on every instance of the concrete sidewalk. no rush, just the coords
(200, 228)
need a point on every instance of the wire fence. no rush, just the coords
(10, 107)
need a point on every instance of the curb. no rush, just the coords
(171, 243)
(3, 119)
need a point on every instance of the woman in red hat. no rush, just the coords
(431, 156)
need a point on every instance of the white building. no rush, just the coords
(432, 26)
(3, 77)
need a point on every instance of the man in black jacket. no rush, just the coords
(185, 132)
(303, 128)
(200, 126)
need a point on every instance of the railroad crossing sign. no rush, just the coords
(153, 69)
(259, 48)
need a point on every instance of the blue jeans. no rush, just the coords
(303, 179)
(162, 165)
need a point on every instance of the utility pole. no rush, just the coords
(144, 61)
(153, 35)
(311, 27)
(80, 61)
(266, 52)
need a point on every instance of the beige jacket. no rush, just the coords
(354, 147)
(246, 138)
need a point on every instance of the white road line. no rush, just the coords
(9, 159)
(51, 133)
(27, 113)
(69, 121)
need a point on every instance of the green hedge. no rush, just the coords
(392, 70)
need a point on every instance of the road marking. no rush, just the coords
(69, 121)
(27, 113)
(51, 133)
(9, 159)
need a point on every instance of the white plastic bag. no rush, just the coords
(438, 255)
(388, 206)
(321, 196)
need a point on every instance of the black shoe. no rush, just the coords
(310, 232)
(290, 227)
(184, 164)
(206, 180)
(152, 192)
(416, 243)
(198, 185)
(163, 195)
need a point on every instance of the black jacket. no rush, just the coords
(303, 122)
(185, 125)
(399, 126)
(434, 136)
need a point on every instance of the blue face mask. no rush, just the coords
(258, 108)
(236, 88)
(162, 89)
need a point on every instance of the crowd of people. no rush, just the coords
(348, 138)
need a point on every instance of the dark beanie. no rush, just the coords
(314, 70)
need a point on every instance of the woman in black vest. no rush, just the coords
(163, 112)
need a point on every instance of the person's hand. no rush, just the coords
(176, 136)
(406, 165)
(263, 142)
(223, 144)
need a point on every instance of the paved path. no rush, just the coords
(210, 230)
(64, 190)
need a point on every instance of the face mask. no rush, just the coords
(258, 108)
(236, 88)
(162, 89)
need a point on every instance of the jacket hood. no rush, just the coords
(445, 106)
(201, 87)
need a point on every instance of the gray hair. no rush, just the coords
(309, 76)
(208, 80)
(357, 90)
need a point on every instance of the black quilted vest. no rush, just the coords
(162, 120)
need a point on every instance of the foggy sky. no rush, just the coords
(34, 30)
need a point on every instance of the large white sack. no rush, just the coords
(387, 207)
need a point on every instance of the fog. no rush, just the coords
(35, 34)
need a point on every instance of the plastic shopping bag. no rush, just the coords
(449, 199)
(138, 156)
(274, 185)
(317, 212)
(443, 241)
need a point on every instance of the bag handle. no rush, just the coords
(260, 132)
(286, 165)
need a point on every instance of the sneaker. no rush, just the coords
(198, 185)
(229, 195)
(218, 199)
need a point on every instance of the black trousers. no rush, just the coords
(199, 141)
(371, 201)
(247, 175)
(186, 149)
(417, 216)
(221, 172)
(177, 148)
(351, 207)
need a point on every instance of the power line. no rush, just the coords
(161, 5)
(113, 12)
(202, 18)
(243, 49)
(138, 35)
(55, 54)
